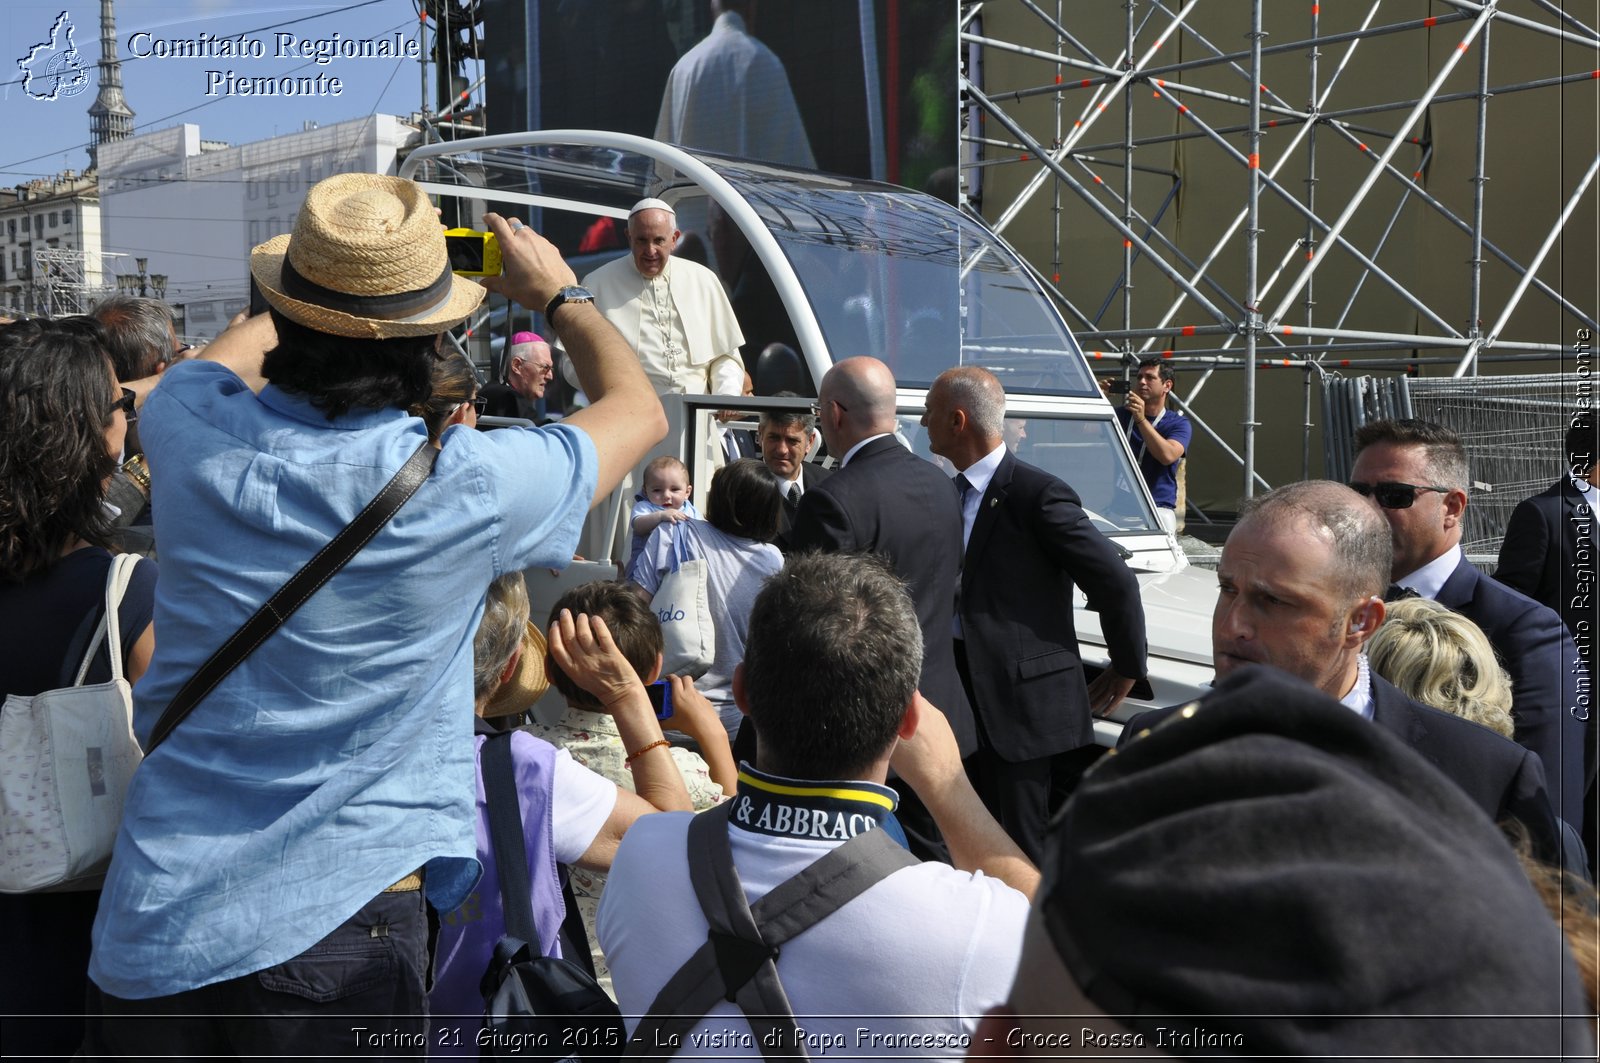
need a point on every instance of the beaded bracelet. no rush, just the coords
(636, 754)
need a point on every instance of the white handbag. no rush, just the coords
(66, 757)
(683, 604)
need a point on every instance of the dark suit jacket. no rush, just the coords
(1543, 663)
(811, 474)
(503, 401)
(1500, 776)
(1537, 557)
(891, 502)
(1030, 542)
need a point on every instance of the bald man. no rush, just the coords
(1028, 543)
(673, 312)
(883, 499)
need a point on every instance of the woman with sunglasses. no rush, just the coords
(455, 398)
(65, 419)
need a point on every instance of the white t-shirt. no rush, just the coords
(921, 955)
(582, 800)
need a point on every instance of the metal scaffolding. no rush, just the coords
(1273, 317)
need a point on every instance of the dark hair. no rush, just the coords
(338, 373)
(633, 627)
(1446, 457)
(454, 382)
(786, 418)
(138, 334)
(831, 661)
(56, 399)
(1163, 366)
(1580, 443)
(743, 501)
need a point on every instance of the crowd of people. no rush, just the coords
(1372, 836)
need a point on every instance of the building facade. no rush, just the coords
(194, 208)
(50, 215)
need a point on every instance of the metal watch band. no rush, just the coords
(570, 294)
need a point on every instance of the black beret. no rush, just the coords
(1291, 879)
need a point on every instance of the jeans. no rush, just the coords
(360, 991)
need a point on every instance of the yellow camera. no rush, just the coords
(473, 253)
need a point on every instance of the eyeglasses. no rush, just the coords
(126, 404)
(1391, 494)
(816, 407)
(479, 404)
(547, 369)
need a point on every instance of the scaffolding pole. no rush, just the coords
(1137, 34)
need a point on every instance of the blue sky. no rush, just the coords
(41, 137)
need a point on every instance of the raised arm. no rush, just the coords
(625, 418)
(241, 348)
(584, 649)
(931, 763)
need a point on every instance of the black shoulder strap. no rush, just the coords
(505, 837)
(301, 586)
(738, 961)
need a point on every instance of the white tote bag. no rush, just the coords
(66, 757)
(683, 604)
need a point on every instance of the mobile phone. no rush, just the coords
(661, 697)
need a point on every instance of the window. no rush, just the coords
(11, 227)
(66, 219)
(54, 219)
(251, 191)
(38, 225)
(255, 232)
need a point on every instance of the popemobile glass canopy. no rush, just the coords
(859, 267)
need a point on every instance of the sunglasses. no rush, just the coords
(1391, 494)
(125, 404)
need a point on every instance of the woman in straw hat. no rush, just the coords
(286, 847)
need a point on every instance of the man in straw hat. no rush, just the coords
(283, 853)
(673, 311)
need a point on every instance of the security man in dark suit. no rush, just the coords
(1300, 589)
(1415, 474)
(1548, 554)
(885, 500)
(785, 440)
(1539, 553)
(1028, 542)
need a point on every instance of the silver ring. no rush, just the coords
(517, 226)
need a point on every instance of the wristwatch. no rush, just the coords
(572, 293)
(139, 472)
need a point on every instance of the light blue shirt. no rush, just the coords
(338, 757)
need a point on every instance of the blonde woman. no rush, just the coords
(1442, 659)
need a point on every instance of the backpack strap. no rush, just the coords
(738, 961)
(505, 837)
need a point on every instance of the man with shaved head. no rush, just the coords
(885, 500)
(1300, 589)
(1027, 543)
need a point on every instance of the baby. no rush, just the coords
(665, 498)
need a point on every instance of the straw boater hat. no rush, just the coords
(366, 259)
(528, 683)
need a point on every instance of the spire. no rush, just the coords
(110, 117)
